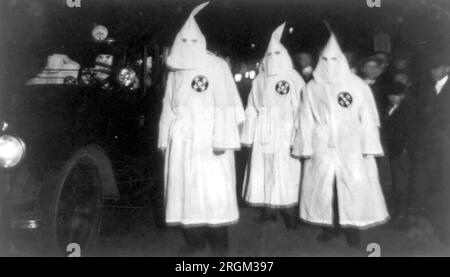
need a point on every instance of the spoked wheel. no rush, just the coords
(73, 204)
(78, 213)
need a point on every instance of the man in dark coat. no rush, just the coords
(430, 190)
(372, 74)
(397, 122)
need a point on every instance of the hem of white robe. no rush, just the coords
(270, 205)
(199, 223)
(376, 155)
(226, 148)
(354, 224)
(301, 155)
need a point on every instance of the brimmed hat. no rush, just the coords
(374, 58)
(437, 58)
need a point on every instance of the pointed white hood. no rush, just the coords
(332, 66)
(189, 48)
(277, 59)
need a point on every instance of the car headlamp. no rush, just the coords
(252, 74)
(237, 77)
(126, 76)
(4, 125)
(12, 151)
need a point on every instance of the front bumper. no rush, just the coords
(19, 218)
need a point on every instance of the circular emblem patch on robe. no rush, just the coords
(282, 87)
(345, 99)
(200, 83)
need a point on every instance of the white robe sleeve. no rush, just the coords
(251, 115)
(228, 112)
(167, 114)
(302, 143)
(368, 114)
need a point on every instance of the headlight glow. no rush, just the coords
(12, 151)
(237, 77)
(126, 76)
(252, 74)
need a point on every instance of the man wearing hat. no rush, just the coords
(431, 189)
(371, 72)
(304, 64)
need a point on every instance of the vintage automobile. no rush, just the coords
(78, 143)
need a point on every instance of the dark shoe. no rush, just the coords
(196, 239)
(262, 218)
(323, 237)
(218, 241)
(266, 215)
(272, 217)
(353, 238)
(290, 220)
(292, 223)
(327, 235)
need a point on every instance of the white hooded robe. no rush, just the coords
(273, 175)
(338, 135)
(201, 112)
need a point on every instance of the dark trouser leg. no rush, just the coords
(218, 241)
(418, 186)
(266, 214)
(290, 217)
(445, 194)
(352, 235)
(423, 171)
(195, 238)
(439, 193)
(400, 176)
(329, 232)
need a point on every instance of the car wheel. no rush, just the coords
(73, 206)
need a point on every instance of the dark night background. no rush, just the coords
(29, 28)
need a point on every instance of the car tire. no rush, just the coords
(72, 205)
